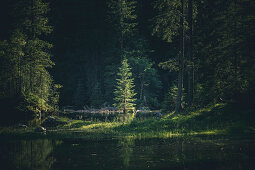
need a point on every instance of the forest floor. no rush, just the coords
(218, 119)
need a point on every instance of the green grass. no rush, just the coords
(219, 119)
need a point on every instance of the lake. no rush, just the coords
(196, 153)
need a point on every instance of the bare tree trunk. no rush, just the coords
(190, 56)
(181, 57)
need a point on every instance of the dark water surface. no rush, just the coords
(175, 153)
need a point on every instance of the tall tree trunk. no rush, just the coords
(122, 36)
(141, 87)
(31, 77)
(190, 56)
(41, 96)
(181, 57)
(19, 76)
(125, 103)
(33, 38)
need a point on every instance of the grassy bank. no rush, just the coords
(219, 119)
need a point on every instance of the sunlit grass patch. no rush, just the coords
(63, 119)
(78, 124)
(210, 132)
(218, 119)
(101, 125)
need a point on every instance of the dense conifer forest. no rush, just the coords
(168, 55)
(127, 84)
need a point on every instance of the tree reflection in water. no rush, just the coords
(128, 153)
(126, 150)
(29, 154)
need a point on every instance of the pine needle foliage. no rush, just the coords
(124, 91)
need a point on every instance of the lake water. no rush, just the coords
(127, 153)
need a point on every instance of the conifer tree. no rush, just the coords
(124, 92)
(169, 23)
(124, 20)
(34, 25)
(190, 54)
(27, 55)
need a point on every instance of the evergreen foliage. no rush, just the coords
(227, 46)
(124, 19)
(170, 22)
(124, 92)
(205, 47)
(167, 22)
(135, 48)
(170, 99)
(146, 79)
(27, 59)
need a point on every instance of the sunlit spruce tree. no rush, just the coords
(122, 16)
(124, 92)
(132, 45)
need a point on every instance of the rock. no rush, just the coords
(40, 129)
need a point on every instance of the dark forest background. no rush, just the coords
(86, 53)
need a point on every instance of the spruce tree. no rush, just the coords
(32, 21)
(124, 92)
(124, 20)
(169, 23)
(146, 80)
(24, 76)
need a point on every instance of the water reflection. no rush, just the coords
(128, 153)
(28, 154)
(126, 150)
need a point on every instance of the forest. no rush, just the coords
(157, 54)
(127, 84)
(124, 55)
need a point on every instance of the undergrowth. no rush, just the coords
(219, 119)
